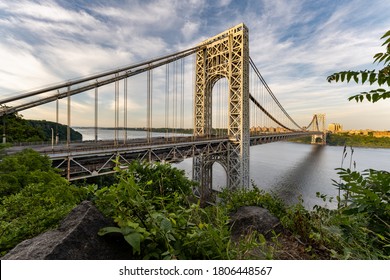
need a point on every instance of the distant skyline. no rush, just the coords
(295, 44)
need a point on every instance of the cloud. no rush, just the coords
(295, 44)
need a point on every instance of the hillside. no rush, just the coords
(18, 129)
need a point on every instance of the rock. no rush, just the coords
(249, 218)
(75, 239)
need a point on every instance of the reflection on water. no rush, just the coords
(292, 170)
(301, 177)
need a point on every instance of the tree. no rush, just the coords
(33, 197)
(380, 77)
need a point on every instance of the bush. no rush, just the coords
(169, 226)
(34, 198)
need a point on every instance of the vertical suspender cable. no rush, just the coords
(116, 109)
(124, 111)
(182, 95)
(68, 127)
(57, 121)
(149, 105)
(167, 100)
(96, 113)
(174, 99)
(68, 135)
(148, 108)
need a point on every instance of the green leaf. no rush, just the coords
(349, 76)
(386, 42)
(342, 76)
(356, 78)
(364, 77)
(375, 97)
(106, 230)
(386, 34)
(372, 77)
(134, 239)
(165, 225)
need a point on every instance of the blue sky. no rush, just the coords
(295, 44)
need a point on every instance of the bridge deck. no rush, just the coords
(89, 158)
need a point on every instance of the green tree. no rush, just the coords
(17, 129)
(34, 197)
(381, 77)
(19, 170)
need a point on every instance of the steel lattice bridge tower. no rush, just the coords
(225, 56)
(252, 116)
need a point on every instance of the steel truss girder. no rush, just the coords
(85, 165)
(225, 56)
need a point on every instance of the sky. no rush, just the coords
(295, 44)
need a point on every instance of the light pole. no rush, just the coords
(52, 139)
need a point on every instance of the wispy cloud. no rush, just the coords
(295, 44)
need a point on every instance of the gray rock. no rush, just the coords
(75, 239)
(249, 218)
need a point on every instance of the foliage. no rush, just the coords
(59, 129)
(254, 196)
(341, 139)
(19, 170)
(18, 129)
(33, 197)
(168, 227)
(160, 179)
(367, 195)
(380, 77)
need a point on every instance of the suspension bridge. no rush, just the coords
(233, 108)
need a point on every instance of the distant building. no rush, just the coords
(369, 132)
(364, 132)
(335, 127)
(380, 134)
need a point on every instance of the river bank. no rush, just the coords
(344, 139)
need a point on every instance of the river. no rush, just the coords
(290, 170)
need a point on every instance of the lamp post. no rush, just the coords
(52, 139)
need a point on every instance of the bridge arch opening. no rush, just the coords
(220, 105)
(219, 175)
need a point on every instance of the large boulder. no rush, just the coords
(253, 218)
(75, 239)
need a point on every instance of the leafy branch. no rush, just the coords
(380, 77)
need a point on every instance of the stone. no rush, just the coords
(75, 239)
(253, 218)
